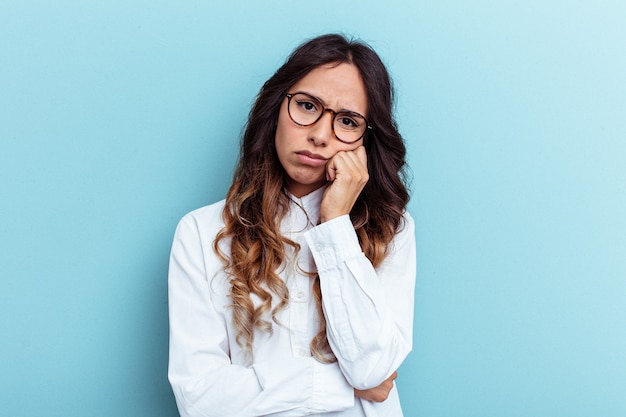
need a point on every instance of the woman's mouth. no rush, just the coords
(309, 158)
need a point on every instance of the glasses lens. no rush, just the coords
(304, 110)
(349, 127)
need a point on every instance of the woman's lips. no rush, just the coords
(312, 159)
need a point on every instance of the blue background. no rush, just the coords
(116, 118)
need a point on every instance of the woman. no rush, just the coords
(294, 295)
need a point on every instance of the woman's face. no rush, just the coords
(303, 151)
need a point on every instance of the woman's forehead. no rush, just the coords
(337, 86)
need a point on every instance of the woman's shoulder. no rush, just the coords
(407, 222)
(205, 218)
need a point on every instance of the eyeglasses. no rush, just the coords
(306, 110)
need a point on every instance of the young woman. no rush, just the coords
(294, 295)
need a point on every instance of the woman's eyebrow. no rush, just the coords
(343, 110)
(314, 96)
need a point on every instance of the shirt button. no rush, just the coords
(300, 295)
(319, 247)
(301, 352)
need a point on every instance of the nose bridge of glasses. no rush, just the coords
(324, 125)
(329, 111)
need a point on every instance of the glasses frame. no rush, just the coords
(324, 110)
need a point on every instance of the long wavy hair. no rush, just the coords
(257, 200)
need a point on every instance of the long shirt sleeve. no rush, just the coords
(369, 312)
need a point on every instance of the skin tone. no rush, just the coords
(379, 393)
(312, 156)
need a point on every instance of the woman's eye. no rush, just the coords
(347, 122)
(307, 106)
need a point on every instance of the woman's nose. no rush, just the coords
(322, 131)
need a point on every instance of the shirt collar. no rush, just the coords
(309, 203)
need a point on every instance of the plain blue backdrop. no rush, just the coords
(117, 118)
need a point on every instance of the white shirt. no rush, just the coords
(369, 315)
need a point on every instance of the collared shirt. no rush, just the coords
(369, 319)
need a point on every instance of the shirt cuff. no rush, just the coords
(333, 242)
(331, 391)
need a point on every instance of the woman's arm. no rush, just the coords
(380, 393)
(204, 381)
(369, 312)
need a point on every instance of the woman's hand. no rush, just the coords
(377, 394)
(347, 173)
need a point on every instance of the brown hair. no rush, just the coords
(256, 202)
